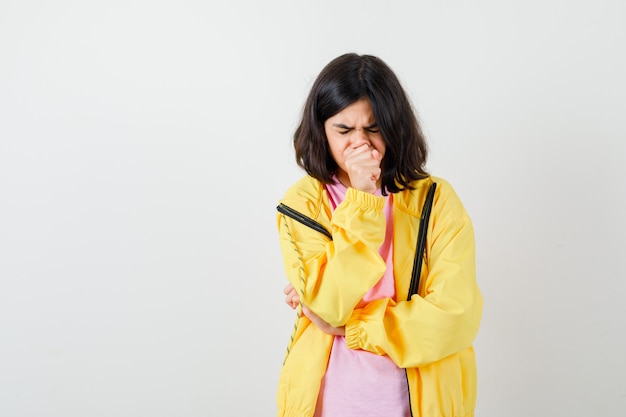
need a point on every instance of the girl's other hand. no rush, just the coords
(291, 296)
(322, 325)
(293, 299)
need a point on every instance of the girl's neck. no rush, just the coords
(343, 178)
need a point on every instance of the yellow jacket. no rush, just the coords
(430, 336)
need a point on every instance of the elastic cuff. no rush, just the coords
(353, 333)
(365, 199)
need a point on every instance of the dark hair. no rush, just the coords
(343, 81)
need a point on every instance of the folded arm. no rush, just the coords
(446, 318)
(331, 276)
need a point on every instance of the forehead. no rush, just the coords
(360, 110)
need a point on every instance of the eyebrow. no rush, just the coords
(342, 126)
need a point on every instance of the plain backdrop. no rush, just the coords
(144, 146)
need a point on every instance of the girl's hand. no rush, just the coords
(293, 299)
(363, 166)
(291, 296)
(322, 325)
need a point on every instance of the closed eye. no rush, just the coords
(373, 128)
(343, 129)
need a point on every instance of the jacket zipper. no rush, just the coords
(408, 389)
(307, 221)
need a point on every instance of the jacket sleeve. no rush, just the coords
(331, 276)
(446, 319)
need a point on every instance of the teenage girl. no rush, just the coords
(361, 346)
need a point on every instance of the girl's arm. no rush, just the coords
(293, 300)
(331, 276)
(442, 322)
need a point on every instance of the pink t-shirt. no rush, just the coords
(358, 383)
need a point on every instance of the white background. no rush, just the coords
(144, 146)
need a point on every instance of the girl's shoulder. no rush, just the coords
(412, 201)
(305, 195)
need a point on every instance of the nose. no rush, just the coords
(360, 137)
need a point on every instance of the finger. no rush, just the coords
(350, 151)
(295, 300)
(369, 159)
(292, 298)
(288, 288)
(362, 151)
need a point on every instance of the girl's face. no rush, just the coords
(350, 129)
